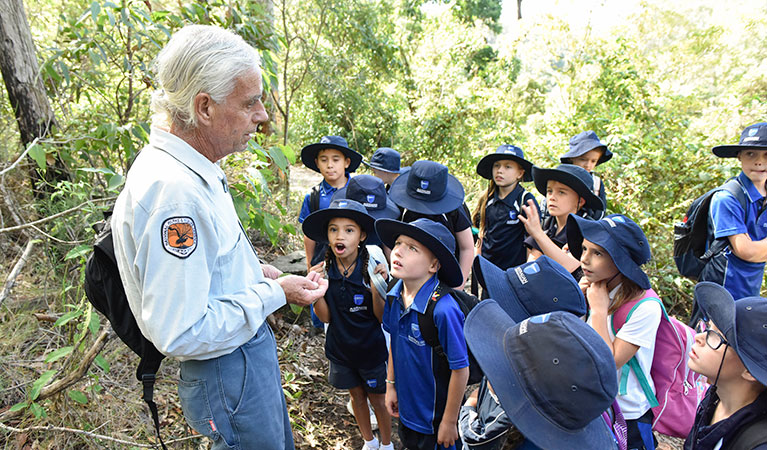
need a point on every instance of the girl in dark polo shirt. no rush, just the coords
(354, 342)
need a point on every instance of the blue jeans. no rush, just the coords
(237, 400)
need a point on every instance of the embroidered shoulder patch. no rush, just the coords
(179, 236)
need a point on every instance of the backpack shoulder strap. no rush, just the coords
(426, 320)
(597, 184)
(623, 314)
(737, 190)
(751, 435)
(314, 198)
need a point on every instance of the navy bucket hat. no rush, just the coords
(743, 323)
(621, 238)
(533, 288)
(753, 137)
(505, 151)
(310, 152)
(315, 227)
(434, 236)
(427, 188)
(371, 192)
(577, 178)
(583, 143)
(385, 159)
(553, 374)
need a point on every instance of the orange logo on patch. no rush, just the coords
(179, 236)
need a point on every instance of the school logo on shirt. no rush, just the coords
(415, 335)
(358, 299)
(179, 236)
(424, 189)
(513, 218)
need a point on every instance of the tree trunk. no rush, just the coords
(519, 9)
(18, 63)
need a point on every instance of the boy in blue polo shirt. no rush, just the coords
(426, 399)
(741, 268)
(333, 158)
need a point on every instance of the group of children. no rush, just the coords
(545, 337)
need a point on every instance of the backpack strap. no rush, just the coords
(426, 321)
(617, 323)
(750, 436)
(147, 380)
(314, 198)
(597, 184)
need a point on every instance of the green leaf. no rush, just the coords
(80, 250)
(94, 323)
(38, 385)
(37, 410)
(95, 10)
(102, 363)
(58, 354)
(18, 407)
(296, 309)
(278, 157)
(38, 154)
(115, 181)
(68, 316)
(78, 396)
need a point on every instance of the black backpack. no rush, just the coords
(105, 291)
(428, 329)
(694, 246)
(750, 436)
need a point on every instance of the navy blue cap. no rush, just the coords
(743, 323)
(533, 288)
(753, 137)
(553, 374)
(310, 152)
(505, 151)
(432, 235)
(621, 238)
(371, 192)
(427, 188)
(576, 177)
(583, 143)
(315, 226)
(385, 159)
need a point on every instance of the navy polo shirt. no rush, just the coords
(503, 243)
(354, 337)
(741, 278)
(559, 237)
(421, 391)
(326, 194)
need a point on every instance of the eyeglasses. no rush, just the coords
(714, 339)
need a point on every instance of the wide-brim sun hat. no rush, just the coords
(310, 152)
(575, 177)
(743, 323)
(583, 143)
(753, 137)
(384, 159)
(371, 192)
(552, 373)
(533, 288)
(621, 238)
(432, 235)
(427, 188)
(315, 226)
(505, 151)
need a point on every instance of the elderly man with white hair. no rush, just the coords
(192, 278)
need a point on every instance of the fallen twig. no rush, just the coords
(90, 434)
(16, 163)
(11, 279)
(70, 379)
(55, 216)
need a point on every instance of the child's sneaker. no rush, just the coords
(371, 445)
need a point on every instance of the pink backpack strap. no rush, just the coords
(621, 315)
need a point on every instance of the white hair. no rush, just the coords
(198, 58)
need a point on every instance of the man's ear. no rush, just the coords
(203, 108)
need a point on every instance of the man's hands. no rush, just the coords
(270, 271)
(303, 291)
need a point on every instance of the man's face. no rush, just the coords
(235, 120)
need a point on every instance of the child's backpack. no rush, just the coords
(614, 420)
(466, 302)
(678, 390)
(105, 291)
(691, 236)
(314, 198)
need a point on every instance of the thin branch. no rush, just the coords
(55, 216)
(60, 241)
(16, 163)
(11, 279)
(90, 434)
